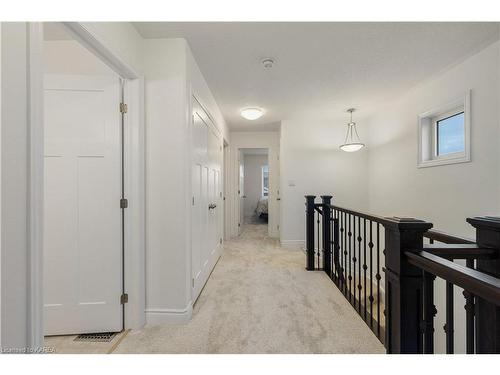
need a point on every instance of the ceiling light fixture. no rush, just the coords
(251, 113)
(352, 142)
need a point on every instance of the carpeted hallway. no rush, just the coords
(260, 299)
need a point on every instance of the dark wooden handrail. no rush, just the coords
(364, 215)
(475, 282)
(443, 237)
(461, 251)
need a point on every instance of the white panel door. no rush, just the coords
(214, 193)
(82, 216)
(199, 210)
(206, 227)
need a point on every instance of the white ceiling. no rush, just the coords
(321, 69)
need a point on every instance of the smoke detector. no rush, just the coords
(267, 63)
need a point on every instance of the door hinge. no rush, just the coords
(192, 282)
(220, 241)
(124, 298)
(239, 224)
(123, 108)
(123, 203)
(220, 194)
(193, 201)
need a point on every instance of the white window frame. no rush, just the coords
(262, 181)
(427, 134)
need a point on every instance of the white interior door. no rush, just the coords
(199, 210)
(241, 189)
(206, 223)
(82, 216)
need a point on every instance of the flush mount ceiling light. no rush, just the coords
(352, 142)
(251, 113)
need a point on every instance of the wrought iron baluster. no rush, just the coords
(349, 234)
(345, 254)
(317, 244)
(336, 248)
(429, 313)
(339, 250)
(354, 260)
(378, 279)
(370, 245)
(469, 316)
(360, 287)
(449, 325)
(364, 262)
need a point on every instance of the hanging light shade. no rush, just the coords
(352, 142)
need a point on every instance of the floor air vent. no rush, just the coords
(96, 337)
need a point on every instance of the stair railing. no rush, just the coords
(397, 300)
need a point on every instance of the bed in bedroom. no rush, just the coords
(262, 208)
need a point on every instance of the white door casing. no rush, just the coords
(206, 211)
(82, 233)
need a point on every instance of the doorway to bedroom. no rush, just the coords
(254, 187)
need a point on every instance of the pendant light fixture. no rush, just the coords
(352, 142)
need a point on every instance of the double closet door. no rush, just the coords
(206, 235)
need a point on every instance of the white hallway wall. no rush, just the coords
(14, 169)
(313, 164)
(172, 76)
(444, 195)
(253, 181)
(70, 57)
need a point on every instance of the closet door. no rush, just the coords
(206, 200)
(214, 192)
(199, 215)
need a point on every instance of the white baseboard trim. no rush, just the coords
(156, 316)
(293, 244)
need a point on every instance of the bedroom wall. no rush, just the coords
(253, 182)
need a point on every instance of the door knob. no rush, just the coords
(211, 206)
(244, 196)
(278, 199)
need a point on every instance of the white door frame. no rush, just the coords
(134, 178)
(270, 141)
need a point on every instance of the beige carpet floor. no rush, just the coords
(260, 299)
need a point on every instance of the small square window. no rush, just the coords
(444, 134)
(450, 134)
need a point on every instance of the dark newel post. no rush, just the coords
(403, 285)
(327, 235)
(487, 313)
(310, 232)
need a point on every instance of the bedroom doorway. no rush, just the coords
(254, 188)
